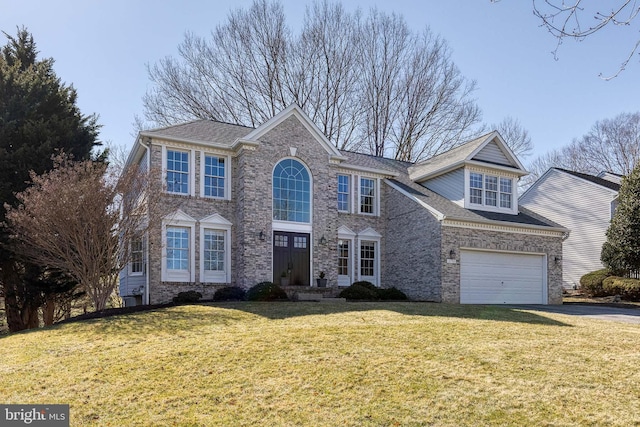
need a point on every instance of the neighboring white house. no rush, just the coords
(582, 203)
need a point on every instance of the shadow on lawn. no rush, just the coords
(284, 310)
(171, 318)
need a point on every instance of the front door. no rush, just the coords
(291, 255)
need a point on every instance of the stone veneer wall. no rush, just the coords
(412, 255)
(456, 238)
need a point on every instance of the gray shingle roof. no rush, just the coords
(596, 180)
(203, 131)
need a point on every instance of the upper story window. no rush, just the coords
(343, 193)
(177, 172)
(490, 191)
(291, 192)
(214, 176)
(368, 196)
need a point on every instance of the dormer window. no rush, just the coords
(489, 191)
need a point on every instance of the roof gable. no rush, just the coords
(489, 150)
(592, 179)
(294, 110)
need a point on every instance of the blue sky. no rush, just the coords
(102, 48)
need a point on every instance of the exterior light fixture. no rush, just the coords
(261, 235)
(323, 240)
(452, 254)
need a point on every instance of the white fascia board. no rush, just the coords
(187, 141)
(369, 170)
(485, 165)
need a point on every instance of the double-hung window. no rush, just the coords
(343, 193)
(177, 171)
(215, 249)
(137, 257)
(505, 193)
(214, 176)
(368, 196)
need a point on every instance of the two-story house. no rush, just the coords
(248, 205)
(584, 204)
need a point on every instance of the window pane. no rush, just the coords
(505, 200)
(214, 250)
(491, 198)
(491, 183)
(137, 256)
(475, 196)
(177, 248)
(177, 172)
(291, 192)
(343, 193)
(475, 180)
(505, 185)
(367, 258)
(343, 257)
(367, 195)
(214, 176)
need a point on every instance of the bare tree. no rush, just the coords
(612, 145)
(370, 83)
(69, 221)
(579, 19)
(516, 136)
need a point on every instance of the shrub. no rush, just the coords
(366, 284)
(187, 297)
(230, 293)
(359, 292)
(266, 291)
(392, 294)
(628, 289)
(591, 283)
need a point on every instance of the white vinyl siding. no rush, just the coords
(491, 153)
(581, 206)
(502, 278)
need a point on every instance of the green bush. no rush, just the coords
(230, 293)
(359, 292)
(628, 289)
(266, 291)
(591, 283)
(391, 294)
(366, 284)
(187, 297)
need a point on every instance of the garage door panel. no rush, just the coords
(501, 278)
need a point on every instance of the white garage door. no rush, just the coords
(501, 278)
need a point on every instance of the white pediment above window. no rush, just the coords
(345, 232)
(369, 233)
(179, 216)
(216, 219)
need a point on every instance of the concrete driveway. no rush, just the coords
(592, 311)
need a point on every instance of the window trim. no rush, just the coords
(370, 235)
(311, 195)
(344, 233)
(227, 175)
(179, 219)
(191, 173)
(348, 193)
(142, 259)
(484, 206)
(216, 222)
(376, 195)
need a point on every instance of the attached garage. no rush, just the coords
(502, 278)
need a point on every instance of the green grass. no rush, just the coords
(360, 364)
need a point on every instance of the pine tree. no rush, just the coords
(621, 252)
(38, 118)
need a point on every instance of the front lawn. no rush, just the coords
(322, 364)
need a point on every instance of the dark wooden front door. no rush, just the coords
(291, 255)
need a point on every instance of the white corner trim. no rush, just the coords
(439, 215)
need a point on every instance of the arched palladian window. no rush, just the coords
(291, 192)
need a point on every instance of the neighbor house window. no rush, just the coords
(137, 256)
(177, 248)
(367, 195)
(291, 192)
(490, 191)
(177, 172)
(343, 193)
(214, 176)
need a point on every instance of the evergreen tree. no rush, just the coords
(38, 118)
(621, 251)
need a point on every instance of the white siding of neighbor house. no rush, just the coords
(493, 154)
(449, 185)
(131, 285)
(581, 206)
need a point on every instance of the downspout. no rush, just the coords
(146, 254)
